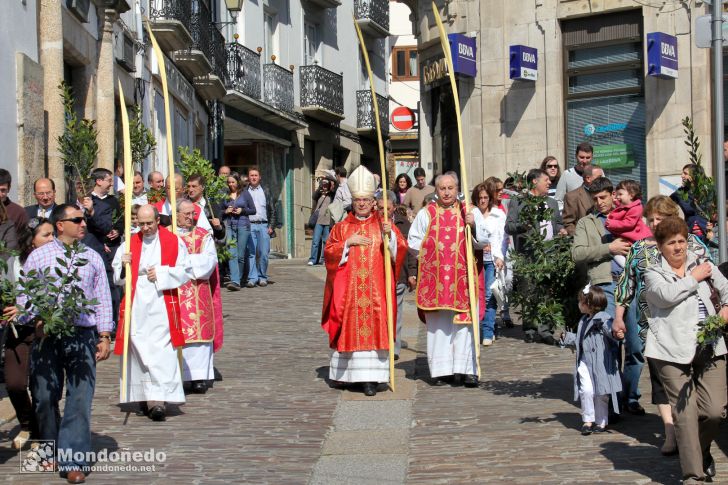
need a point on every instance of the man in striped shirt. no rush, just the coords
(76, 355)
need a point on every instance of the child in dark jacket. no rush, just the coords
(596, 376)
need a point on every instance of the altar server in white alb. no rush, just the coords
(200, 301)
(160, 264)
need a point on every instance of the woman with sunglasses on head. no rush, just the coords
(551, 166)
(17, 348)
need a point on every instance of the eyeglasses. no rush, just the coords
(75, 220)
(552, 166)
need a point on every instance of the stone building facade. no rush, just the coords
(592, 85)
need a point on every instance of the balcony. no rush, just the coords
(365, 124)
(196, 61)
(372, 17)
(325, 3)
(278, 87)
(243, 70)
(170, 22)
(212, 85)
(244, 79)
(322, 94)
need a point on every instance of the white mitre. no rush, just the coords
(362, 183)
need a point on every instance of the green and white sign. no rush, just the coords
(613, 156)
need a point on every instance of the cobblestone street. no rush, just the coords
(274, 419)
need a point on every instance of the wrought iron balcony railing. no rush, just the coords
(322, 89)
(365, 112)
(278, 87)
(243, 70)
(217, 52)
(375, 11)
(170, 10)
(201, 28)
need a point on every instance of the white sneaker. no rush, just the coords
(487, 342)
(310, 263)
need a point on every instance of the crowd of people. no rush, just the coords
(651, 284)
(176, 323)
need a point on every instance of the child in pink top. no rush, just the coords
(625, 221)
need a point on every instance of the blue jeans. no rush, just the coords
(487, 324)
(320, 235)
(258, 247)
(609, 293)
(74, 356)
(240, 235)
(634, 358)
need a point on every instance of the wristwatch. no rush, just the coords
(107, 337)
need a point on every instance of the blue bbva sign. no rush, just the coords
(524, 63)
(662, 55)
(463, 49)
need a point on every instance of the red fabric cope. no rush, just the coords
(354, 310)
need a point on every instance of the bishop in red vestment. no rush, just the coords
(354, 311)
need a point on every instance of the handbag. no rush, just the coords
(313, 219)
(498, 288)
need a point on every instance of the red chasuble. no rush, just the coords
(354, 312)
(442, 281)
(169, 250)
(200, 300)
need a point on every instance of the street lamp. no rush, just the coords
(234, 7)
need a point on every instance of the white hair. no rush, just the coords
(450, 174)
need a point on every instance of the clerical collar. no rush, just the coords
(362, 218)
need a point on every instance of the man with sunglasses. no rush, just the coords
(75, 355)
(160, 264)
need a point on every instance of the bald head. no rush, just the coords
(45, 192)
(148, 219)
(155, 180)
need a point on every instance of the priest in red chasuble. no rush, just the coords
(200, 301)
(438, 235)
(354, 312)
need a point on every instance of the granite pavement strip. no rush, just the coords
(273, 419)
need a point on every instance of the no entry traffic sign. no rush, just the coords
(403, 118)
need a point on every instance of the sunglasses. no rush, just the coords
(75, 220)
(552, 166)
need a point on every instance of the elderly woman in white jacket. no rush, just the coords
(678, 293)
(490, 224)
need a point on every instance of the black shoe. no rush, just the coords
(599, 429)
(529, 336)
(470, 381)
(441, 381)
(157, 413)
(635, 408)
(370, 389)
(587, 429)
(199, 387)
(508, 323)
(232, 286)
(396, 357)
(708, 464)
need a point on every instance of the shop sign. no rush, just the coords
(613, 156)
(524, 63)
(662, 55)
(463, 50)
(435, 70)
